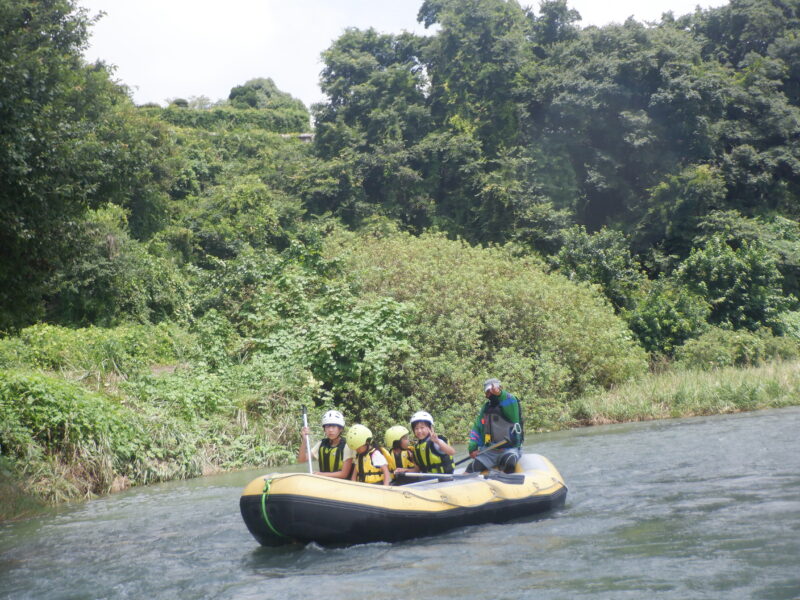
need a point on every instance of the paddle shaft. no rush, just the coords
(437, 475)
(308, 441)
(492, 447)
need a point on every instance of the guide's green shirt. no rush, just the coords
(509, 406)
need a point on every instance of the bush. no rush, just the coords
(113, 279)
(481, 312)
(187, 395)
(81, 443)
(666, 316)
(43, 414)
(726, 348)
(742, 285)
(603, 258)
(122, 350)
(789, 324)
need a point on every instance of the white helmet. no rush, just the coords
(421, 415)
(333, 417)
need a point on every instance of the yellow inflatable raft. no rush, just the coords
(299, 507)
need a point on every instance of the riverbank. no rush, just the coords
(26, 488)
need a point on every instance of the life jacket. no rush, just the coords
(331, 457)
(497, 428)
(367, 472)
(398, 458)
(430, 460)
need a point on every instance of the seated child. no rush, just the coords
(370, 465)
(432, 453)
(398, 452)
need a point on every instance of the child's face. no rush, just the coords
(421, 430)
(404, 442)
(332, 431)
(361, 449)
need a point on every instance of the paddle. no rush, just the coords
(308, 441)
(492, 447)
(438, 475)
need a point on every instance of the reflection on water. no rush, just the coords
(694, 508)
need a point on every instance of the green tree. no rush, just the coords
(113, 279)
(264, 94)
(42, 120)
(666, 315)
(371, 129)
(473, 62)
(779, 235)
(742, 285)
(555, 23)
(70, 142)
(675, 208)
(603, 258)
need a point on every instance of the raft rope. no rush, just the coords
(442, 499)
(264, 495)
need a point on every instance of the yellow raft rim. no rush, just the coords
(300, 507)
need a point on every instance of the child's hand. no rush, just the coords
(304, 431)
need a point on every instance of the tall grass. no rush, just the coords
(686, 393)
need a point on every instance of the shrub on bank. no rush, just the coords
(481, 312)
(719, 347)
(94, 350)
(43, 418)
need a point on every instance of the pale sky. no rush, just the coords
(165, 49)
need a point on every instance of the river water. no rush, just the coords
(691, 508)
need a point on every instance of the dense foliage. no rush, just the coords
(512, 195)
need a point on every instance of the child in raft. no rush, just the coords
(432, 453)
(335, 456)
(398, 451)
(370, 464)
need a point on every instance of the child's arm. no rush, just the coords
(343, 474)
(387, 477)
(414, 469)
(443, 446)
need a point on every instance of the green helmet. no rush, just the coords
(394, 434)
(357, 436)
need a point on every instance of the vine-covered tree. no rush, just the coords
(69, 142)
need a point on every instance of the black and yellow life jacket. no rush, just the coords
(430, 460)
(331, 457)
(367, 472)
(399, 458)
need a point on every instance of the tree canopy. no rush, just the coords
(618, 153)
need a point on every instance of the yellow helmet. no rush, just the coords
(394, 434)
(357, 436)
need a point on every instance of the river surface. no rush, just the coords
(692, 508)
